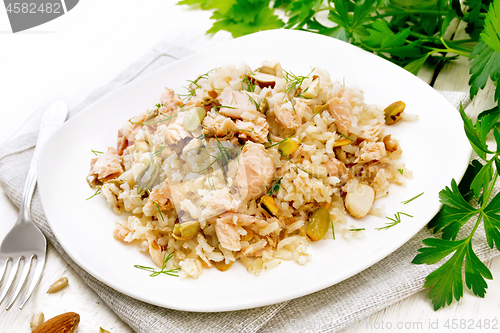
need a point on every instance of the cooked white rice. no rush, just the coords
(201, 193)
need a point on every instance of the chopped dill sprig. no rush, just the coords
(333, 229)
(274, 188)
(357, 229)
(97, 152)
(321, 110)
(394, 221)
(193, 85)
(96, 193)
(159, 105)
(225, 155)
(249, 83)
(254, 101)
(210, 184)
(154, 122)
(302, 96)
(240, 130)
(310, 174)
(400, 171)
(218, 107)
(189, 108)
(410, 200)
(277, 143)
(155, 272)
(159, 151)
(159, 210)
(293, 107)
(293, 81)
(345, 136)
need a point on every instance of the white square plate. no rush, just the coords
(434, 147)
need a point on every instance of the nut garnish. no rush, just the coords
(36, 320)
(393, 112)
(64, 323)
(360, 200)
(58, 285)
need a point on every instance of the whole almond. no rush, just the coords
(64, 323)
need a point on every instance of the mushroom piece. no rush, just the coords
(264, 80)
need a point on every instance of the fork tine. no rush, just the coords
(3, 270)
(21, 283)
(40, 263)
(10, 279)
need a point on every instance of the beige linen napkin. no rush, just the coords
(390, 280)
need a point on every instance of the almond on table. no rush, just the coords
(63, 323)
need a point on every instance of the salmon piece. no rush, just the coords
(255, 171)
(170, 101)
(223, 201)
(371, 151)
(239, 101)
(256, 131)
(162, 196)
(107, 165)
(175, 132)
(218, 126)
(122, 142)
(285, 117)
(341, 110)
(227, 235)
(337, 168)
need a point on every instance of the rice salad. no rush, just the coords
(249, 165)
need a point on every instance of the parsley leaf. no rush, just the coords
(300, 12)
(476, 272)
(491, 32)
(222, 5)
(446, 282)
(474, 19)
(482, 179)
(465, 184)
(476, 134)
(455, 213)
(245, 17)
(492, 222)
(485, 62)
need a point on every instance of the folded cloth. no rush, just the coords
(390, 280)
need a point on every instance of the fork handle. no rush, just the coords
(52, 119)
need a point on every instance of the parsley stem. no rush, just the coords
(409, 11)
(487, 195)
(446, 49)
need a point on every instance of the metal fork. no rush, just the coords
(25, 242)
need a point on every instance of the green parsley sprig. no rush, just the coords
(446, 282)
